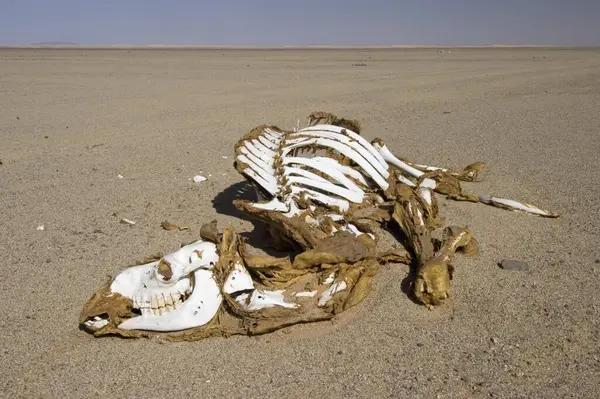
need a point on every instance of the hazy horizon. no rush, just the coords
(268, 23)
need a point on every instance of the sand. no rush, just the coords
(72, 120)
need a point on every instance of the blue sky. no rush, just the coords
(301, 22)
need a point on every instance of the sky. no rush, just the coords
(301, 22)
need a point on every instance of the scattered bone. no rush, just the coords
(127, 221)
(199, 179)
(119, 176)
(41, 227)
(170, 226)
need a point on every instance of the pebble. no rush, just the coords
(510, 264)
(199, 179)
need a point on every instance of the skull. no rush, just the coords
(173, 293)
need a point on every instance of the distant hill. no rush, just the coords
(55, 44)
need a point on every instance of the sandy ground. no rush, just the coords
(71, 121)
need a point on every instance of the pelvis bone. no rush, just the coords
(324, 193)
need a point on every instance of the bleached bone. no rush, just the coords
(355, 145)
(391, 158)
(328, 168)
(327, 200)
(515, 205)
(147, 285)
(343, 149)
(352, 135)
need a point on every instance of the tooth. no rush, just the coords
(169, 300)
(154, 303)
(161, 301)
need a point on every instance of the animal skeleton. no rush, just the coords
(323, 190)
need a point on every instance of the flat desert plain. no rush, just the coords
(73, 120)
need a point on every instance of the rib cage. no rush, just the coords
(288, 166)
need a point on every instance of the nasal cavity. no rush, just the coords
(164, 270)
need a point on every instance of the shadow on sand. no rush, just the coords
(258, 237)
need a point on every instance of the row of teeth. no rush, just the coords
(159, 304)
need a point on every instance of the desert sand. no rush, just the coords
(73, 120)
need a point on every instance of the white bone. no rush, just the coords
(342, 149)
(382, 169)
(346, 170)
(273, 205)
(273, 136)
(263, 148)
(343, 205)
(406, 181)
(260, 299)
(515, 205)
(187, 259)
(268, 143)
(269, 186)
(202, 305)
(238, 280)
(291, 171)
(326, 168)
(354, 136)
(258, 160)
(352, 196)
(391, 158)
(265, 156)
(265, 179)
(328, 294)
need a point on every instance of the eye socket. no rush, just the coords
(164, 270)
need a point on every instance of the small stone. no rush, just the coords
(494, 340)
(41, 227)
(119, 176)
(511, 264)
(199, 179)
(45, 137)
